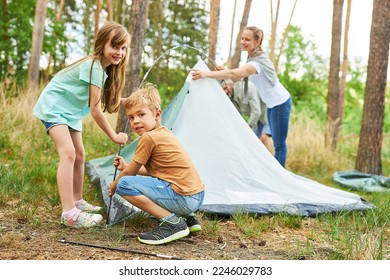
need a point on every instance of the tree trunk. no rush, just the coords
(213, 30)
(274, 24)
(58, 18)
(36, 48)
(156, 16)
(332, 115)
(370, 144)
(344, 65)
(235, 61)
(276, 62)
(87, 23)
(97, 17)
(109, 10)
(232, 32)
(138, 17)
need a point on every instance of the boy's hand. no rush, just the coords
(119, 163)
(111, 189)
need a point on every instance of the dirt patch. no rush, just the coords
(22, 240)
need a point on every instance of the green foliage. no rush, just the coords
(16, 33)
(174, 23)
(304, 73)
(16, 27)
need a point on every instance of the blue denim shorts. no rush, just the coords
(49, 125)
(160, 192)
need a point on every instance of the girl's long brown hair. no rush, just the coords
(115, 82)
(113, 87)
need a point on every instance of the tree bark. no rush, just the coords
(371, 134)
(274, 24)
(137, 30)
(109, 10)
(232, 32)
(50, 59)
(344, 65)
(36, 48)
(235, 61)
(97, 18)
(332, 116)
(213, 30)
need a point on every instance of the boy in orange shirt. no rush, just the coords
(170, 188)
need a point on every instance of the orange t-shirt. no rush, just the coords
(165, 158)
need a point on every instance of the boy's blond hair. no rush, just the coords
(147, 95)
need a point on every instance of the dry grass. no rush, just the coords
(30, 205)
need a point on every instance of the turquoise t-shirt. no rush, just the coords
(65, 99)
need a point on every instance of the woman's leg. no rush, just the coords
(67, 156)
(278, 118)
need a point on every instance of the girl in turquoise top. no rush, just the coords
(93, 85)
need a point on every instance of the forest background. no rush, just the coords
(339, 106)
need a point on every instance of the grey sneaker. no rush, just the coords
(165, 232)
(193, 223)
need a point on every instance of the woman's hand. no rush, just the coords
(197, 74)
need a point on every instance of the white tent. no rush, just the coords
(239, 172)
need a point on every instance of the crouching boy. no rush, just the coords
(170, 188)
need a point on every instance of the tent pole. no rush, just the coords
(118, 249)
(116, 170)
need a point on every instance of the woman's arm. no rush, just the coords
(233, 74)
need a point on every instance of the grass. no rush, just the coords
(28, 163)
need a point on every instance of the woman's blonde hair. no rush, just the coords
(258, 35)
(147, 95)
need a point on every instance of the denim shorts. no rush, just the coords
(161, 193)
(49, 125)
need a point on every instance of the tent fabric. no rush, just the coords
(238, 171)
(362, 181)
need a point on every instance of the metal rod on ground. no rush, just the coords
(116, 171)
(119, 249)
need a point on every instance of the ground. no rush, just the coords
(21, 240)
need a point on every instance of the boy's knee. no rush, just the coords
(120, 183)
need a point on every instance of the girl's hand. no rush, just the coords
(219, 68)
(121, 138)
(120, 163)
(122, 101)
